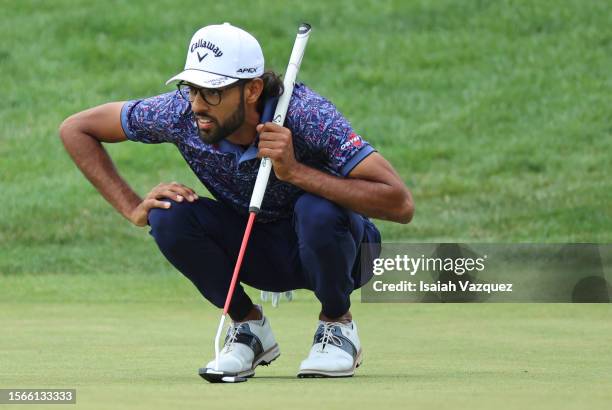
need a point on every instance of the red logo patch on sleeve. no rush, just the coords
(354, 140)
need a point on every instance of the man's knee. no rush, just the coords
(169, 225)
(319, 216)
(162, 219)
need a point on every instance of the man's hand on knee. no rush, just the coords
(173, 190)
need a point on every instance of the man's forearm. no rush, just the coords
(368, 198)
(95, 163)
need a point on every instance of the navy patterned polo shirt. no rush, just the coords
(322, 139)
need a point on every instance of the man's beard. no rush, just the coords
(226, 129)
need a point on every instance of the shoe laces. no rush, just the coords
(232, 335)
(328, 336)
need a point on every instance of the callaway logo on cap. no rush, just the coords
(220, 55)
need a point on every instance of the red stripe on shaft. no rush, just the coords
(245, 240)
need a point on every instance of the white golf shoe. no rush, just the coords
(247, 345)
(336, 351)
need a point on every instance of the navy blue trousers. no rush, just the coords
(318, 249)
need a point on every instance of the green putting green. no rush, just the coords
(136, 342)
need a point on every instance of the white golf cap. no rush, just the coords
(219, 55)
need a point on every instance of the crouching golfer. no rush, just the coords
(327, 180)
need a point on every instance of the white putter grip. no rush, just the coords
(281, 111)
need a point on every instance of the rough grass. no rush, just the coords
(495, 113)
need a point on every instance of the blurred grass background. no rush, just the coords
(495, 113)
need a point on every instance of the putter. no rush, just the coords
(263, 174)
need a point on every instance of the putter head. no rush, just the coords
(217, 376)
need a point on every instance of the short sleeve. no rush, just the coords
(156, 119)
(327, 131)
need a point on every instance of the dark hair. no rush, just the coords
(273, 87)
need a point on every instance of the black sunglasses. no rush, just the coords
(212, 96)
